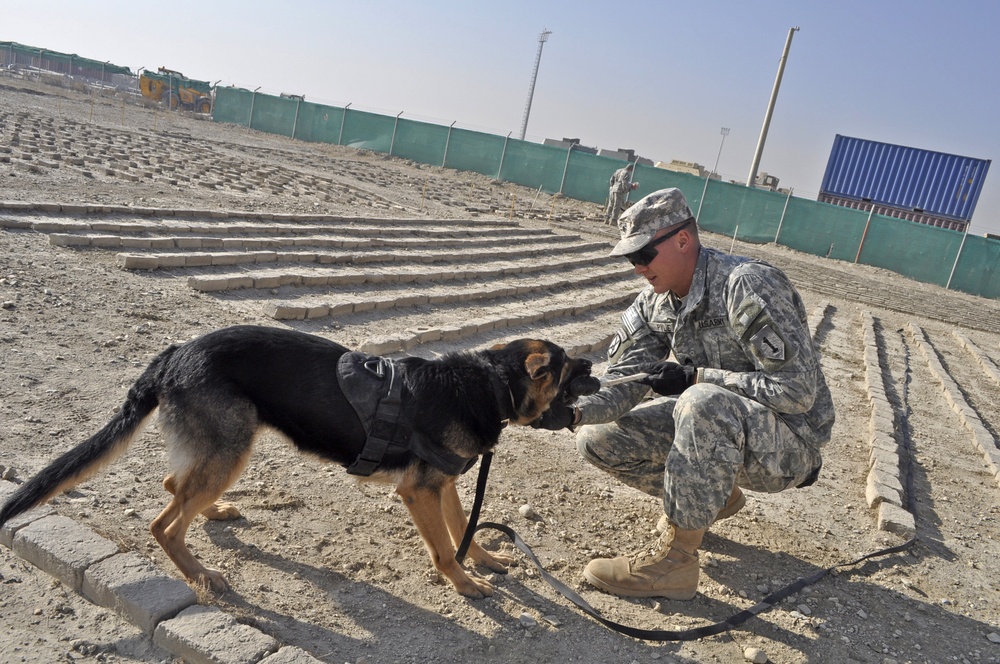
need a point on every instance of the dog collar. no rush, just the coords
(505, 402)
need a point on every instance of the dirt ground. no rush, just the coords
(337, 568)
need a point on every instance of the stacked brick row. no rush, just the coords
(982, 440)
(163, 607)
(884, 487)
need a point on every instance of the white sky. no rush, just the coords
(658, 76)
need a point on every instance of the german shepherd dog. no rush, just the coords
(217, 392)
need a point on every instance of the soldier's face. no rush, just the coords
(669, 270)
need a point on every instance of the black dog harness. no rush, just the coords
(374, 387)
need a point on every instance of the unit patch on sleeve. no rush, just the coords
(768, 344)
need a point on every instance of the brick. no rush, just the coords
(894, 519)
(62, 547)
(8, 529)
(138, 262)
(236, 283)
(267, 282)
(207, 284)
(197, 260)
(172, 260)
(136, 590)
(207, 635)
(287, 312)
(317, 311)
(67, 240)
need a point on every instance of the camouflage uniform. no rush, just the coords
(621, 182)
(759, 410)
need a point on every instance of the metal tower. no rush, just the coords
(542, 38)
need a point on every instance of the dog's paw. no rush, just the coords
(220, 511)
(474, 588)
(495, 562)
(213, 580)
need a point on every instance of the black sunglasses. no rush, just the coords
(645, 255)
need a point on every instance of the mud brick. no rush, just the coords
(66, 240)
(895, 519)
(236, 283)
(317, 311)
(208, 284)
(203, 635)
(287, 312)
(267, 282)
(138, 261)
(62, 547)
(197, 260)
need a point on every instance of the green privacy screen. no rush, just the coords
(925, 253)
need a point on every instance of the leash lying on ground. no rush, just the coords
(684, 634)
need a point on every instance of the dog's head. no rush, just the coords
(539, 372)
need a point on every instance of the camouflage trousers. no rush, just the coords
(616, 199)
(691, 449)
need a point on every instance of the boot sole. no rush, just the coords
(625, 592)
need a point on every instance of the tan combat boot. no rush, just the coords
(733, 505)
(672, 572)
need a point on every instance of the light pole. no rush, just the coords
(725, 132)
(542, 38)
(752, 178)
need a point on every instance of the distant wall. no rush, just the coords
(966, 263)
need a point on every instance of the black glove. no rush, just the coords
(668, 378)
(582, 387)
(559, 416)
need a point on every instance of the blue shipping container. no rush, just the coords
(907, 178)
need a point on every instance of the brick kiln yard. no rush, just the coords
(142, 229)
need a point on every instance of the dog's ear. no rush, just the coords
(537, 364)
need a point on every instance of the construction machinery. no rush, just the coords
(176, 90)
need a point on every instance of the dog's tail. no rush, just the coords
(97, 451)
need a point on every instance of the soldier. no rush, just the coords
(744, 405)
(620, 184)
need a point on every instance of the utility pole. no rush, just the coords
(542, 38)
(752, 178)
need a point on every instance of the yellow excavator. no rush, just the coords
(176, 90)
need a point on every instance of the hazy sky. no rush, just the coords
(661, 77)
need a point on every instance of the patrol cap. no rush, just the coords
(661, 209)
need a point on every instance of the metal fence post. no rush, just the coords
(857, 257)
(340, 138)
(447, 140)
(782, 220)
(957, 256)
(392, 141)
(253, 98)
(295, 122)
(562, 182)
(503, 155)
(702, 201)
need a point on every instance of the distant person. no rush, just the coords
(620, 184)
(744, 405)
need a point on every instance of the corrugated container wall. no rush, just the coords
(907, 178)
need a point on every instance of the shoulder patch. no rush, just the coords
(769, 344)
(632, 322)
(747, 312)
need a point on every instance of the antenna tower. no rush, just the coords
(542, 38)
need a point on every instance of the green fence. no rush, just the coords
(925, 253)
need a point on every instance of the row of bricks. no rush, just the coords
(200, 259)
(982, 440)
(984, 361)
(884, 487)
(29, 206)
(319, 278)
(163, 607)
(415, 336)
(373, 228)
(365, 302)
(348, 238)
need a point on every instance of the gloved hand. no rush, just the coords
(582, 387)
(668, 378)
(559, 416)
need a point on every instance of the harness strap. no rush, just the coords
(385, 429)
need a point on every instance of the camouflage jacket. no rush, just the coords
(743, 325)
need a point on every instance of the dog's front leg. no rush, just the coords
(426, 511)
(454, 516)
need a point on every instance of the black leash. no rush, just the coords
(658, 634)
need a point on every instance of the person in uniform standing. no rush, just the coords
(620, 184)
(743, 404)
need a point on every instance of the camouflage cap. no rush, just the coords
(665, 208)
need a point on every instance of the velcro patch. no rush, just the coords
(632, 322)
